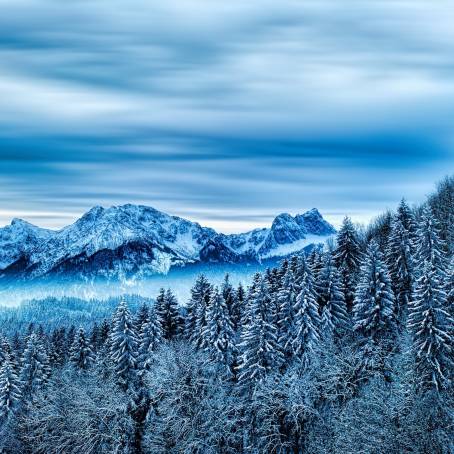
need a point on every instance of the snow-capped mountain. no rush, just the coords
(135, 241)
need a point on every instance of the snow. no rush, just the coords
(142, 240)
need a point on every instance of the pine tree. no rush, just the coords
(57, 353)
(35, 370)
(124, 346)
(231, 300)
(306, 319)
(407, 219)
(10, 389)
(166, 309)
(347, 256)
(195, 321)
(334, 318)
(430, 318)
(431, 325)
(374, 306)
(142, 316)
(285, 321)
(151, 337)
(430, 247)
(219, 333)
(258, 342)
(81, 354)
(399, 256)
(5, 349)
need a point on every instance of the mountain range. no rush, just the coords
(137, 241)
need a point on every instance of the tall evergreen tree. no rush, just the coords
(35, 370)
(307, 318)
(259, 352)
(430, 319)
(431, 326)
(348, 258)
(195, 322)
(150, 336)
(231, 300)
(124, 346)
(166, 309)
(219, 333)
(286, 316)
(81, 353)
(10, 389)
(400, 259)
(374, 306)
(334, 316)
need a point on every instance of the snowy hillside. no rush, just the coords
(136, 241)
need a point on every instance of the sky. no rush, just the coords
(227, 113)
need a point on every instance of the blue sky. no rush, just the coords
(227, 113)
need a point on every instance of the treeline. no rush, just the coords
(346, 350)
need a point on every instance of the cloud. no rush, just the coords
(226, 111)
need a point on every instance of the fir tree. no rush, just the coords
(150, 337)
(347, 256)
(258, 342)
(231, 300)
(81, 354)
(57, 353)
(399, 256)
(35, 370)
(306, 316)
(166, 309)
(430, 247)
(430, 318)
(334, 318)
(285, 321)
(374, 306)
(195, 322)
(10, 389)
(142, 316)
(123, 341)
(219, 332)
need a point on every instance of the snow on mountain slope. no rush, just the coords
(19, 239)
(135, 241)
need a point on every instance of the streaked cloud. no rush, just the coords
(227, 113)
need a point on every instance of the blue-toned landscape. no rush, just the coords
(226, 228)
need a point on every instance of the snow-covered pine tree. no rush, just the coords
(334, 317)
(81, 354)
(347, 256)
(374, 313)
(195, 321)
(285, 320)
(57, 350)
(430, 318)
(35, 370)
(431, 325)
(124, 342)
(219, 333)
(5, 349)
(166, 309)
(407, 218)
(430, 248)
(142, 316)
(231, 300)
(259, 352)
(150, 337)
(399, 257)
(306, 316)
(10, 389)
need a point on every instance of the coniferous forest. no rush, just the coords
(346, 349)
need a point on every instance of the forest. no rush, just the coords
(346, 349)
